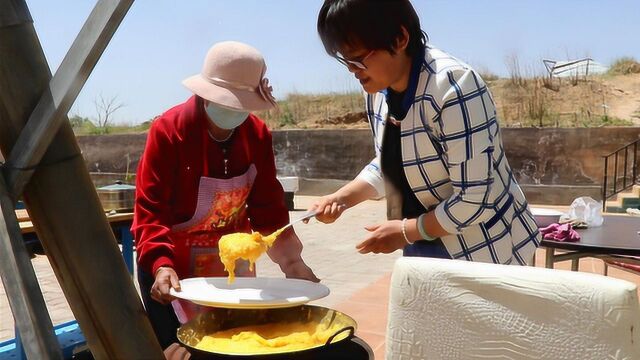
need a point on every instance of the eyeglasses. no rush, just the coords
(358, 63)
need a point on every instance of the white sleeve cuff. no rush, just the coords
(374, 178)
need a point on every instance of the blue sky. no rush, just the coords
(161, 42)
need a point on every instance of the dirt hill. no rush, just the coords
(609, 100)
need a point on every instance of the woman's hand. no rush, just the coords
(166, 278)
(299, 270)
(383, 238)
(176, 352)
(286, 252)
(328, 208)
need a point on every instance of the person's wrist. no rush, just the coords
(421, 229)
(405, 228)
(412, 230)
(288, 262)
(161, 268)
(341, 199)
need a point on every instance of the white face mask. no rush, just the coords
(225, 118)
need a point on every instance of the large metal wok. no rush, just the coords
(342, 342)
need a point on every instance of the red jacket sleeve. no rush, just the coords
(154, 181)
(266, 207)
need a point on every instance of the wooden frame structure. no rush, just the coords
(45, 166)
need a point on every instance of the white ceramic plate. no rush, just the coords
(250, 293)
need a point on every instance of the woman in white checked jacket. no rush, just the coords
(439, 154)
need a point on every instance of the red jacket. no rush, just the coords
(169, 173)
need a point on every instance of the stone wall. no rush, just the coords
(112, 153)
(322, 154)
(330, 154)
(537, 156)
(553, 165)
(563, 156)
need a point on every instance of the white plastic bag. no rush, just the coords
(585, 209)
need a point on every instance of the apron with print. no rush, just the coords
(220, 210)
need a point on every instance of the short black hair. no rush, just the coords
(374, 24)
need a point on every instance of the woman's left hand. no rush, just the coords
(299, 270)
(383, 238)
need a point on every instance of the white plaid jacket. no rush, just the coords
(454, 161)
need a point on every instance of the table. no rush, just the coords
(617, 237)
(120, 223)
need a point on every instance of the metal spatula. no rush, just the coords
(271, 238)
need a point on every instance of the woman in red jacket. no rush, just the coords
(208, 170)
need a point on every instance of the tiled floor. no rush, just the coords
(369, 308)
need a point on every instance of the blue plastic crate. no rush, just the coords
(70, 338)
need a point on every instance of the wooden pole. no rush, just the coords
(21, 285)
(63, 90)
(65, 208)
(18, 277)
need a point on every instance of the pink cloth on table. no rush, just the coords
(560, 232)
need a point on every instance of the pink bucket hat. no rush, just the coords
(233, 76)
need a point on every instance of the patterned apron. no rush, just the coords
(221, 209)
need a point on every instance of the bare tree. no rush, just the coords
(105, 107)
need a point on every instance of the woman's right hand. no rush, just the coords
(166, 278)
(328, 208)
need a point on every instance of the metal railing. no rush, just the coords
(611, 187)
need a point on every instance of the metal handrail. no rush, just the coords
(634, 171)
